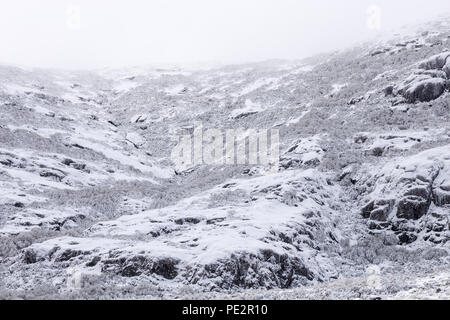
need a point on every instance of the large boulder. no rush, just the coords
(305, 152)
(413, 207)
(426, 90)
(427, 83)
(423, 88)
(378, 210)
(436, 62)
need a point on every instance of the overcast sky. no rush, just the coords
(113, 33)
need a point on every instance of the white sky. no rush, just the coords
(115, 33)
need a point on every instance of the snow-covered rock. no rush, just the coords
(412, 189)
(283, 235)
(435, 62)
(305, 152)
(429, 82)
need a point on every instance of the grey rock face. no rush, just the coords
(415, 188)
(429, 83)
(436, 62)
(424, 90)
(412, 207)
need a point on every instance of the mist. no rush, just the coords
(87, 34)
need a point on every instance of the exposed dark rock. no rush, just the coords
(406, 238)
(361, 138)
(213, 221)
(354, 101)
(67, 161)
(367, 209)
(268, 269)
(188, 220)
(19, 205)
(424, 90)
(419, 191)
(79, 166)
(379, 51)
(113, 123)
(68, 254)
(76, 145)
(6, 162)
(134, 266)
(166, 268)
(378, 210)
(73, 164)
(428, 83)
(93, 262)
(137, 265)
(389, 90)
(412, 207)
(377, 151)
(55, 175)
(380, 214)
(29, 256)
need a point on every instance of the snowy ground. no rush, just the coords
(91, 205)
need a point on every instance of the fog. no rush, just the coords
(116, 33)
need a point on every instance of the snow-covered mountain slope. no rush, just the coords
(271, 231)
(92, 205)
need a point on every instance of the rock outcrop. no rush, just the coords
(429, 82)
(410, 195)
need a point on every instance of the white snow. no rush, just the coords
(337, 87)
(271, 82)
(250, 108)
(297, 119)
(175, 90)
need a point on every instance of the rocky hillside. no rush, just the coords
(92, 205)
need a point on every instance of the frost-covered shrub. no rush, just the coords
(11, 245)
(99, 200)
(228, 197)
(379, 248)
